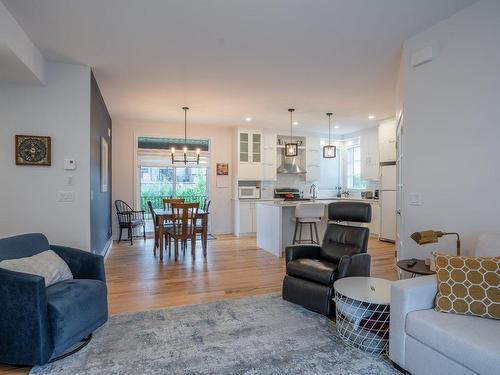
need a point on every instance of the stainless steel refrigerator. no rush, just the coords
(388, 201)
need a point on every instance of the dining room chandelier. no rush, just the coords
(291, 148)
(186, 157)
(329, 150)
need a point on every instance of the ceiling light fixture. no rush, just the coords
(291, 148)
(186, 158)
(329, 151)
(248, 119)
(295, 123)
(336, 126)
(371, 117)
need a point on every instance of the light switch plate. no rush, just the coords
(66, 196)
(69, 164)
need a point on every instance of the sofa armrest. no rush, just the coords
(302, 251)
(83, 265)
(407, 296)
(25, 337)
(354, 265)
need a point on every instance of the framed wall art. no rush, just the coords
(32, 150)
(222, 169)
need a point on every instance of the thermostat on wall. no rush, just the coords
(69, 164)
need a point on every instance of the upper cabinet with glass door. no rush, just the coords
(256, 148)
(249, 155)
(244, 148)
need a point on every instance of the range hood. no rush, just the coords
(289, 165)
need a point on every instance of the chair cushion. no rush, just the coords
(76, 308)
(313, 269)
(342, 240)
(471, 341)
(359, 212)
(136, 222)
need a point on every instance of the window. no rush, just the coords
(157, 183)
(159, 178)
(353, 168)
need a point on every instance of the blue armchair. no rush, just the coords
(38, 324)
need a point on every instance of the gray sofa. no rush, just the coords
(426, 342)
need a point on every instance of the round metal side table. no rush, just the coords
(363, 305)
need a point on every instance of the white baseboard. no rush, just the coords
(107, 249)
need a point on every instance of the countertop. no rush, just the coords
(283, 203)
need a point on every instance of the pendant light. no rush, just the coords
(186, 158)
(291, 148)
(329, 151)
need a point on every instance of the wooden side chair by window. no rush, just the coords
(167, 202)
(129, 219)
(166, 227)
(184, 216)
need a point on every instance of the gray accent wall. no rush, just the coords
(100, 202)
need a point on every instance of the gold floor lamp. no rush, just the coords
(432, 236)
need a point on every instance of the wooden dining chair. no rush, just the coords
(167, 202)
(166, 227)
(201, 226)
(184, 216)
(206, 204)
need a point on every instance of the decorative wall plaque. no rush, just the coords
(32, 150)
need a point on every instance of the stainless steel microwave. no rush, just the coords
(249, 192)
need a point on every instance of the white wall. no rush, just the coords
(125, 135)
(452, 130)
(29, 195)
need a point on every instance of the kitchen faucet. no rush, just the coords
(346, 193)
(312, 191)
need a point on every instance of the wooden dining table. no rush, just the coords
(163, 215)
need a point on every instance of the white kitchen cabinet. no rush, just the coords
(313, 158)
(369, 150)
(269, 157)
(387, 141)
(249, 165)
(245, 217)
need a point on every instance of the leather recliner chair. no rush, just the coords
(311, 270)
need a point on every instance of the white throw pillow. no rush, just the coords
(47, 264)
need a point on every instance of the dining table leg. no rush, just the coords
(160, 220)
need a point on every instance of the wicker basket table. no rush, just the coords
(363, 305)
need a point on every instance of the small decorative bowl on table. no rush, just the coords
(363, 306)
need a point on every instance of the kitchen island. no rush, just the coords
(275, 222)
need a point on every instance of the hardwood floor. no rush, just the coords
(234, 268)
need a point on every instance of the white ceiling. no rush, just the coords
(231, 59)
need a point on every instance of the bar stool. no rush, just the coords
(308, 214)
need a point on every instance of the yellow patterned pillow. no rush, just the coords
(468, 285)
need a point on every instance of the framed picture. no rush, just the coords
(222, 169)
(32, 150)
(104, 165)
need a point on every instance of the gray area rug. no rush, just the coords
(254, 335)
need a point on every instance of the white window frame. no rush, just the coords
(350, 145)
